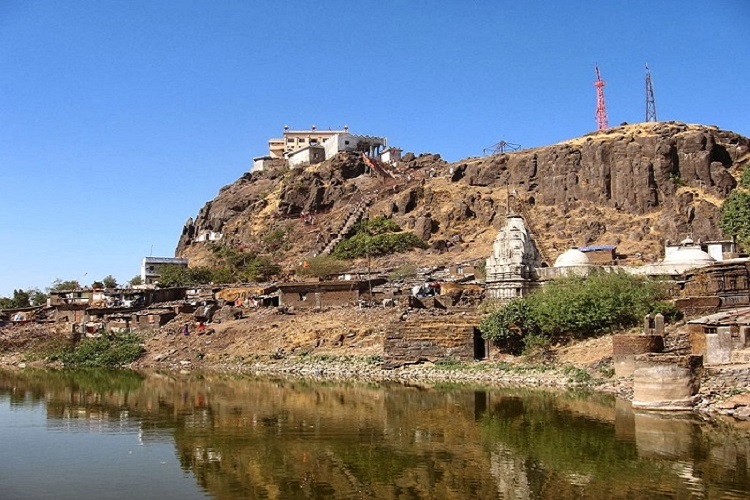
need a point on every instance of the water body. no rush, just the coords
(96, 434)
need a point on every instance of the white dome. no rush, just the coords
(572, 257)
(688, 255)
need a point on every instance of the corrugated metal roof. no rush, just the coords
(597, 247)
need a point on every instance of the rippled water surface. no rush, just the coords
(93, 434)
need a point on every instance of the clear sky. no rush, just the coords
(120, 119)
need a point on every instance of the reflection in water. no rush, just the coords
(277, 438)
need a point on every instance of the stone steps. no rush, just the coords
(339, 235)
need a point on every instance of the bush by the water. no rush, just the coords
(576, 307)
(111, 351)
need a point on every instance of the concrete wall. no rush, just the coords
(307, 156)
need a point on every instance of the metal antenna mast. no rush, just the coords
(502, 147)
(650, 102)
(602, 123)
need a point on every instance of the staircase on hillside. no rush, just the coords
(355, 215)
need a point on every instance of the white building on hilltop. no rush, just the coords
(308, 147)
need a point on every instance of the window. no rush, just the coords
(346, 142)
(290, 140)
(301, 139)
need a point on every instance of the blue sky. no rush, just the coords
(120, 119)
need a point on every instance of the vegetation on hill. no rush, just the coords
(377, 237)
(322, 266)
(575, 307)
(735, 212)
(231, 266)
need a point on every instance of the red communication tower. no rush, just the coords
(602, 123)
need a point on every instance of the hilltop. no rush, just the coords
(633, 186)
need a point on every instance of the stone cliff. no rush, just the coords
(633, 186)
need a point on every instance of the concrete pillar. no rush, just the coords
(659, 324)
(666, 382)
(647, 325)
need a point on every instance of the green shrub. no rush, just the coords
(577, 375)
(745, 178)
(576, 307)
(509, 324)
(362, 245)
(377, 225)
(735, 217)
(111, 351)
(534, 343)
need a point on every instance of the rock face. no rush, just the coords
(633, 186)
(628, 167)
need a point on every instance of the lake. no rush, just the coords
(99, 434)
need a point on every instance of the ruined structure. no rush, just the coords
(433, 339)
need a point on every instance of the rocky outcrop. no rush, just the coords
(633, 186)
(632, 168)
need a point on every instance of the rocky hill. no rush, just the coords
(633, 186)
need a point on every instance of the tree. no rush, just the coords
(109, 281)
(135, 280)
(735, 217)
(173, 275)
(37, 297)
(20, 299)
(59, 285)
(509, 325)
(236, 265)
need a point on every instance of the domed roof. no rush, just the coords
(688, 255)
(572, 257)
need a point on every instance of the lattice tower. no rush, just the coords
(650, 102)
(602, 123)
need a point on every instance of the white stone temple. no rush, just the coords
(511, 269)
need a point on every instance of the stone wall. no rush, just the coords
(719, 378)
(412, 342)
(626, 347)
(693, 306)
